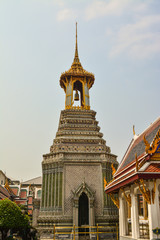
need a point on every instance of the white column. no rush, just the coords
(120, 214)
(153, 211)
(134, 214)
(122, 217)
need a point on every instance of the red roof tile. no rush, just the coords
(153, 167)
(137, 145)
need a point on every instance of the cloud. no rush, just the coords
(103, 8)
(65, 14)
(140, 39)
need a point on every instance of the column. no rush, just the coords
(122, 217)
(60, 191)
(75, 212)
(49, 191)
(153, 211)
(91, 212)
(43, 191)
(55, 183)
(134, 214)
(145, 209)
(47, 187)
(57, 188)
(53, 189)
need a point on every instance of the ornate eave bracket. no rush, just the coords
(128, 198)
(154, 191)
(114, 200)
(146, 193)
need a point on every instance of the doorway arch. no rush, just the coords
(83, 210)
(83, 194)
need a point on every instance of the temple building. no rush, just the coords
(26, 193)
(78, 161)
(137, 183)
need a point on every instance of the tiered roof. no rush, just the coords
(78, 132)
(140, 159)
(76, 70)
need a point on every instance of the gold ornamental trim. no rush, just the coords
(128, 198)
(151, 148)
(114, 200)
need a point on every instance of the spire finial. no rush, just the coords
(134, 133)
(76, 58)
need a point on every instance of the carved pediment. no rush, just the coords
(83, 188)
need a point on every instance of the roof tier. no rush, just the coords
(76, 70)
(141, 160)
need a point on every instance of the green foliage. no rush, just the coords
(11, 216)
(23, 208)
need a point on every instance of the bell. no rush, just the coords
(76, 96)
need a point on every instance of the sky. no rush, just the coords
(118, 41)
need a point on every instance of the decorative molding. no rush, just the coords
(83, 188)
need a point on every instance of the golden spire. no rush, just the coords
(76, 70)
(76, 58)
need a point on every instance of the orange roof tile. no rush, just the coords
(153, 167)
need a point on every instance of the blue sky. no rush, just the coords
(119, 41)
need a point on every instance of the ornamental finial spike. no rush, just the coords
(76, 58)
(134, 130)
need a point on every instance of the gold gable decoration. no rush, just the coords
(151, 148)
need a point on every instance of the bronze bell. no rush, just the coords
(76, 96)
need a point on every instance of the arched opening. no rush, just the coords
(83, 212)
(39, 194)
(77, 86)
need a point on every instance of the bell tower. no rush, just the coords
(77, 164)
(76, 83)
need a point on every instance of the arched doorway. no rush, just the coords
(77, 85)
(83, 201)
(83, 212)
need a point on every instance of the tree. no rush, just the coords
(11, 218)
